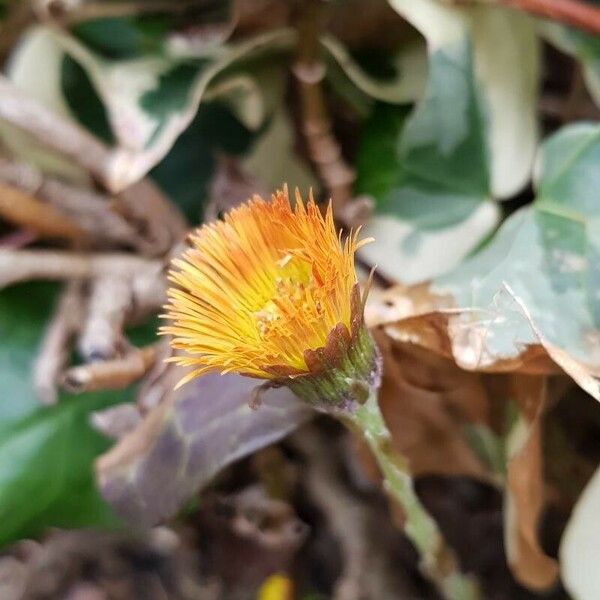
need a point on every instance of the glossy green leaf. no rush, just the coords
(24, 312)
(46, 470)
(423, 226)
(46, 453)
(185, 173)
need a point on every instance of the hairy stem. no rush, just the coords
(438, 562)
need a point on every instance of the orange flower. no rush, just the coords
(265, 292)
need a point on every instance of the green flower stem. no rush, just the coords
(438, 562)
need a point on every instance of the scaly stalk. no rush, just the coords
(438, 562)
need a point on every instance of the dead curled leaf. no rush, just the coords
(426, 400)
(187, 439)
(427, 391)
(419, 316)
(525, 487)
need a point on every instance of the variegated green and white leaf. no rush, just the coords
(537, 282)
(152, 100)
(469, 141)
(35, 67)
(409, 63)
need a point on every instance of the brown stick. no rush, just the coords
(93, 212)
(55, 131)
(570, 12)
(111, 374)
(17, 239)
(159, 380)
(145, 204)
(54, 351)
(23, 210)
(24, 265)
(102, 334)
(323, 148)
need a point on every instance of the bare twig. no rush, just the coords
(17, 239)
(24, 265)
(55, 131)
(230, 186)
(111, 374)
(160, 221)
(93, 212)
(576, 97)
(159, 381)
(54, 352)
(575, 13)
(23, 210)
(323, 148)
(556, 107)
(102, 333)
(13, 578)
(149, 289)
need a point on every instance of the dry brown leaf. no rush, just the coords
(391, 305)
(424, 389)
(416, 315)
(426, 400)
(525, 487)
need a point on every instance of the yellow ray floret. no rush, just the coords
(258, 289)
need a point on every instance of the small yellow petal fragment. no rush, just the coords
(276, 587)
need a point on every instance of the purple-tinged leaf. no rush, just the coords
(183, 443)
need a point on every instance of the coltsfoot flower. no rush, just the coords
(271, 292)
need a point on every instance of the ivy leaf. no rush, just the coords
(149, 99)
(470, 140)
(191, 436)
(536, 282)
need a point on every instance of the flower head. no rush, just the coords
(270, 292)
